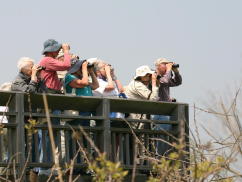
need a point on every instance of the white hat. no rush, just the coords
(92, 60)
(142, 71)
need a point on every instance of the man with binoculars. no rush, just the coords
(165, 70)
(168, 76)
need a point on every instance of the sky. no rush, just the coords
(203, 36)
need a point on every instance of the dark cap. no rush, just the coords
(75, 65)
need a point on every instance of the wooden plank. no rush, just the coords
(58, 144)
(115, 148)
(66, 102)
(127, 148)
(148, 107)
(106, 134)
(36, 147)
(141, 131)
(67, 147)
(43, 145)
(121, 148)
(82, 141)
(1, 148)
(74, 150)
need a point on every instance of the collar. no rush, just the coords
(24, 76)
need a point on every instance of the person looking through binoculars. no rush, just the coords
(165, 70)
(168, 76)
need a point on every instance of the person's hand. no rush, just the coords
(107, 68)
(169, 66)
(34, 73)
(154, 76)
(65, 47)
(84, 65)
(35, 69)
(154, 79)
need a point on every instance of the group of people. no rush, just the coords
(61, 72)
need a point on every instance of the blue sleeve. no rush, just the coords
(69, 78)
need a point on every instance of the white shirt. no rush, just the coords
(100, 91)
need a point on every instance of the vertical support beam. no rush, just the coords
(105, 143)
(20, 145)
(181, 119)
(187, 140)
(182, 116)
(107, 129)
(12, 132)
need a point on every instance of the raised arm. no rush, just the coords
(167, 80)
(110, 86)
(56, 65)
(94, 84)
(80, 83)
(117, 82)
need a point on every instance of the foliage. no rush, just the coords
(106, 170)
(31, 126)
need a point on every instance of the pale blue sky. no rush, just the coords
(203, 36)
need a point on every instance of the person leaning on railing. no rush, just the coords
(26, 80)
(49, 77)
(143, 86)
(109, 84)
(50, 83)
(76, 82)
(169, 77)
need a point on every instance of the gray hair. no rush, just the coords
(99, 64)
(24, 62)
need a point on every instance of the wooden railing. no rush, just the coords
(113, 136)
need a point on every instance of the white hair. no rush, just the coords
(24, 62)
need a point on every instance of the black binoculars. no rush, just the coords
(175, 66)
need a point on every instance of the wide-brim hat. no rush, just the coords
(161, 61)
(51, 45)
(75, 65)
(142, 71)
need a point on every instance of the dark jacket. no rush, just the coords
(24, 83)
(167, 81)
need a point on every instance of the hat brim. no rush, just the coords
(75, 67)
(52, 48)
(145, 73)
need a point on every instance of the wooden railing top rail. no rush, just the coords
(65, 102)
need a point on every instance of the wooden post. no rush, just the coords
(20, 145)
(105, 143)
(182, 117)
